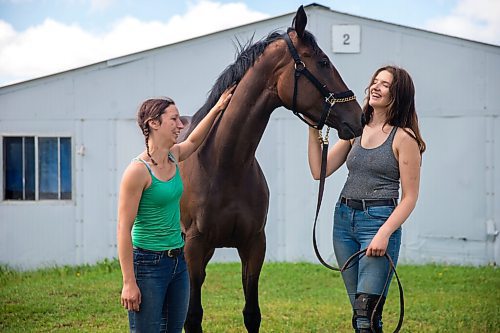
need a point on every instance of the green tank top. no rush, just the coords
(157, 224)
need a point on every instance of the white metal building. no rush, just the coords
(66, 138)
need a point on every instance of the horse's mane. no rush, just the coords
(247, 54)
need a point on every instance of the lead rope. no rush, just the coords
(358, 255)
(322, 176)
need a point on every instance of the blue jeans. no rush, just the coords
(164, 286)
(353, 230)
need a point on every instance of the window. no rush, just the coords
(37, 168)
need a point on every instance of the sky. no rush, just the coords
(43, 37)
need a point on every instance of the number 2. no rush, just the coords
(346, 39)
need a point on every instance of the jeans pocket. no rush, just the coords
(144, 258)
(379, 212)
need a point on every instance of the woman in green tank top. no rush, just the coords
(150, 246)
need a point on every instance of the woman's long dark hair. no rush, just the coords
(401, 109)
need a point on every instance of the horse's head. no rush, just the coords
(312, 87)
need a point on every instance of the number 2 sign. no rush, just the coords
(346, 38)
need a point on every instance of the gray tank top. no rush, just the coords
(373, 173)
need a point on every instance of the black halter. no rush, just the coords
(330, 97)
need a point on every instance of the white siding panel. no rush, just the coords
(37, 233)
(34, 234)
(491, 84)
(50, 99)
(283, 156)
(113, 92)
(449, 78)
(494, 237)
(96, 192)
(449, 221)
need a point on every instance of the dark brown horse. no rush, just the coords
(225, 200)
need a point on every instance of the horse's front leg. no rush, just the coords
(252, 258)
(197, 256)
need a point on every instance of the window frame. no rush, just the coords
(36, 170)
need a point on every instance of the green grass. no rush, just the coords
(299, 297)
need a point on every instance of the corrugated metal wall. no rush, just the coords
(456, 80)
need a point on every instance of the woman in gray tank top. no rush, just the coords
(367, 214)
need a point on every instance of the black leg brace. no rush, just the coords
(364, 307)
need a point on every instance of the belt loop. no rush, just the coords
(364, 204)
(395, 201)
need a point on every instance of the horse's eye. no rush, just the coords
(324, 63)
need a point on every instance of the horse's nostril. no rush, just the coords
(363, 119)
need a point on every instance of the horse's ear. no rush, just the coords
(300, 21)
